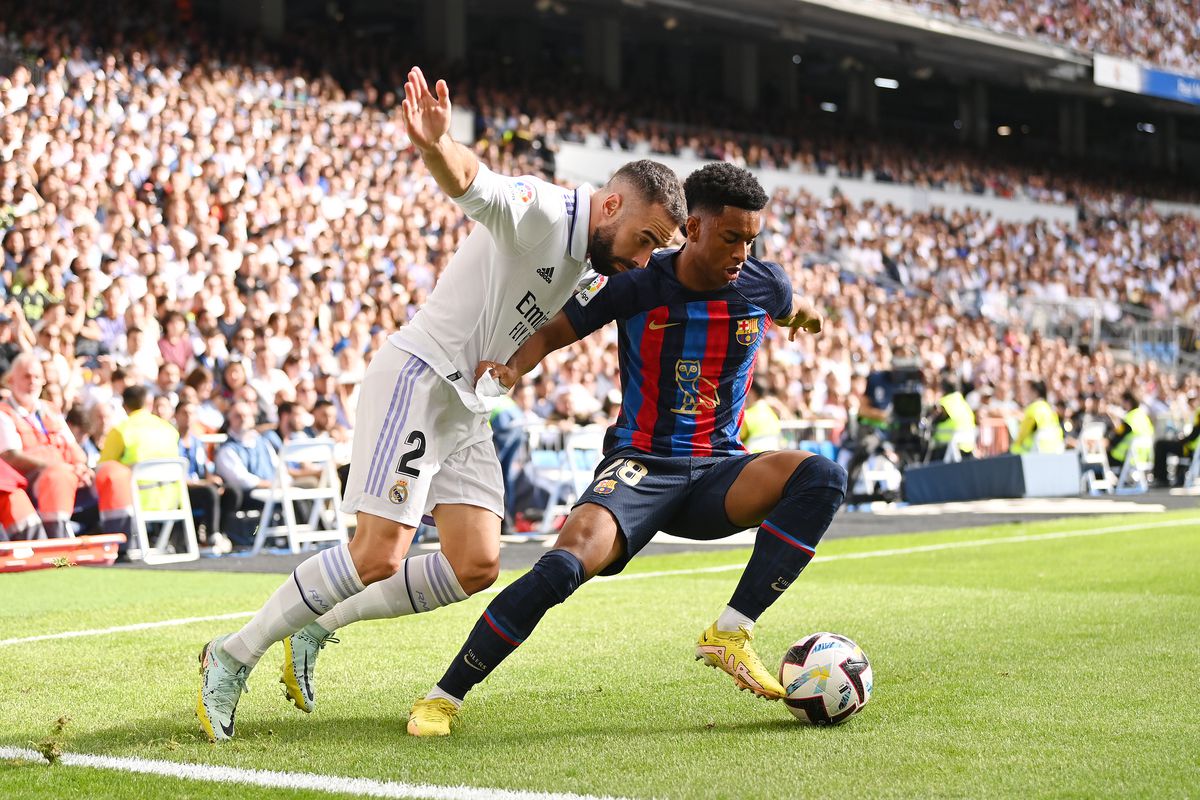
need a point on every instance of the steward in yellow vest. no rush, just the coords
(1040, 431)
(141, 437)
(953, 416)
(1136, 424)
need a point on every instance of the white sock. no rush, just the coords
(437, 692)
(317, 585)
(422, 583)
(732, 619)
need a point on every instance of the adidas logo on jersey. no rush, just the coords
(546, 273)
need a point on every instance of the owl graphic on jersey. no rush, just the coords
(688, 379)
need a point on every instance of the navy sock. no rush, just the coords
(510, 619)
(788, 537)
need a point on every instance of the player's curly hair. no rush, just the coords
(657, 184)
(720, 184)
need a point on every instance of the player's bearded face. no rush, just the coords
(604, 259)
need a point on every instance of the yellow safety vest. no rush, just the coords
(1190, 447)
(143, 437)
(1139, 425)
(761, 428)
(961, 418)
(1047, 435)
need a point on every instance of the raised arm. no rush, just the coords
(554, 335)
(427, 118)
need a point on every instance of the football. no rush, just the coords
(827, 678)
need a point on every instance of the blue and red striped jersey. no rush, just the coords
(687, 358)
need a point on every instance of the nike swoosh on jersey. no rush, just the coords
(658, 326)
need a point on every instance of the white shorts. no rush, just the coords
(417, 446)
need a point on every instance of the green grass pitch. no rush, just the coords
(1060, 667)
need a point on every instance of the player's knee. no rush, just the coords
(478, 574)
(378, 548)
(817, 474)
(561, 572)
(377, 563)
(380, 569)
(590, 535)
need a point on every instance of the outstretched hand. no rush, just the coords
(805, 317)
(426, 117)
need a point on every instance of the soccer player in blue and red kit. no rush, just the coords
(690, 326)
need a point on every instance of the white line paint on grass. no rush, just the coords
(141, 626)
(924, 548)
(332, 784)
(634, 576)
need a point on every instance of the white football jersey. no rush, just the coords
(511, 275)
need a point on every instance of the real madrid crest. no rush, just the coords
(399, 492)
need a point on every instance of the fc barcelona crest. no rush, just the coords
(747, 331)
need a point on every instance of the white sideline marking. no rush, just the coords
(1023, 505)
(141, 626)
(895, 551)
(902, 551)
(292, 780)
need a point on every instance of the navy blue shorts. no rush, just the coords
(682, 496)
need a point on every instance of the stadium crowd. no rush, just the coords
(239, 240)
(1165, 33)
(541, 116)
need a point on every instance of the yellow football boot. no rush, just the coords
(731, 652)
(431, 717)
(221, 687)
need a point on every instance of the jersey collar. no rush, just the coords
(577, 239)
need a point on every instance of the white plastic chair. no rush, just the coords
(569, 478)
(284, 494)
(1135, 471)
(1192, 477)
(878, 474)
(1092, 452)
(156, 474)
(954, 450)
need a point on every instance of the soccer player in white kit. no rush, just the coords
(422, 442)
